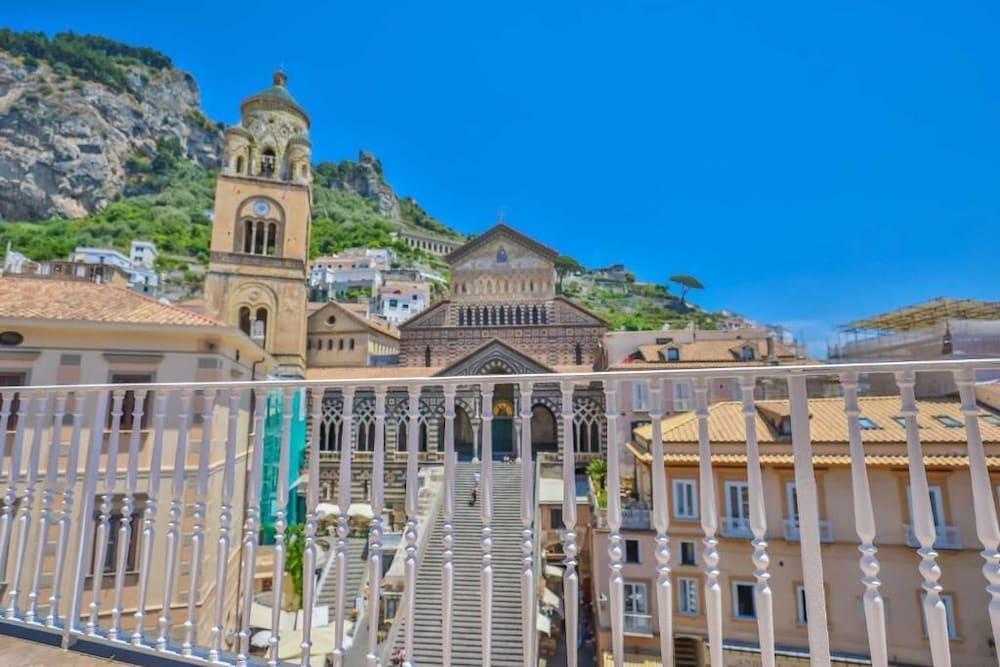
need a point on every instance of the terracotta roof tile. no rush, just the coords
(72, 300)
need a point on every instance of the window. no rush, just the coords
(743, 602)
(351, 345)
(340, 344)
(577, 352)
(631, 551)
(948, 421)
(949, 610)
(12, 380)
(793, 501)
(902, 421)
(636, 601)
(867, 424)
(738, 500)
(688, 553)
(687, 596)
(991, 419)
(110, 565)
(937, 505)
(556, 518)
(685, 499)
(801, 611)
(673, 354)
(682, 395)
(640, 396)
(747, 353)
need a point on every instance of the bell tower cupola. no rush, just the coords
(260, 232)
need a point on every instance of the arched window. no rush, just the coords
(493, 315)
(259, 328)
(503, 315)
(543, 430)
(534, 314)
(248, 236)
(486, 315)
(461, 317)
(501, 256)
(366, 437)
(351, 345)
(272, 238)
(427, 356)
(245, 320)
(329, 343)
(268, 162)
(259, 237)
(422, 438)
(578, 354)
(401, 427)
(239, 164)
(340, 344)
(517, 315)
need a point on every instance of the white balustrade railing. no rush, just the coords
(946, 537)
(792, 533)
(125, 503)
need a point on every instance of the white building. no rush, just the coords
(399, 301)
(353, 269)
(143, 254)
(101, 256)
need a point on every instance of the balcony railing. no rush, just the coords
(638, 624)
(945, 537)
(734, 526)
(636, 519)
(792, 530)
(146, 541)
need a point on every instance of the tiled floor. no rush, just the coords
(22, 653)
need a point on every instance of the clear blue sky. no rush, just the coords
(810, 162)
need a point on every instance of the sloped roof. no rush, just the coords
(357, 314)
(827, 422)
(495, 344)
(928, 313)
(711, 351)
(500, 229)
(73, 300)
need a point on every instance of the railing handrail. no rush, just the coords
(796, 370)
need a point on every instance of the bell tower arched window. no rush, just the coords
(239, 164)
(259, 328)
(268, 162)
(427, 356)
(245, 320)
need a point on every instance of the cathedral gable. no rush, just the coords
(494, 358)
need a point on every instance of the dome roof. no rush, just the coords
(278, 95)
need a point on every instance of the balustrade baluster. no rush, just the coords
(66, 517)
(864, 524)
(149, 515)
(376, 530)
(85, 519)
(571, 578)
(344, 502)
(251, 526)
(486, 514)
(410, 532)
(45, 518)
(661, 521)
(709, 524)
(809, 543)
(935, 613)
(174, 528)
(448, 540)
(225, 522)
(103, 533)
(125, 525)
(200, 508)
(616, 546)
(528, 592)
(10, 497)
(309, 555)
(982, 496)
(758, 525)
(280, 525)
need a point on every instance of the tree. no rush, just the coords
(686, 283)
(564, 265)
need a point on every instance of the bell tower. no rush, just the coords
(256, 277)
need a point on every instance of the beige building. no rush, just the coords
(61, 332)
(260, 235)
(345, 335)
(942, 434)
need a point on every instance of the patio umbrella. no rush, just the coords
(323, 642)
(327, 509)
(361, 511)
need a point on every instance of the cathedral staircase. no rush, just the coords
(508, 644)
(327, 595)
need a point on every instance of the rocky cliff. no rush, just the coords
(66, 139)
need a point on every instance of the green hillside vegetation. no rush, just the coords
(88, 57)
(169, 201)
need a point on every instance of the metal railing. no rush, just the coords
(792, 533)
(131, 514)
(637, 519)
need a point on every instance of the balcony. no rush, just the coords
(154, 544)
(736, 527)
(638, 624)
(792, 530)
(945, 537)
